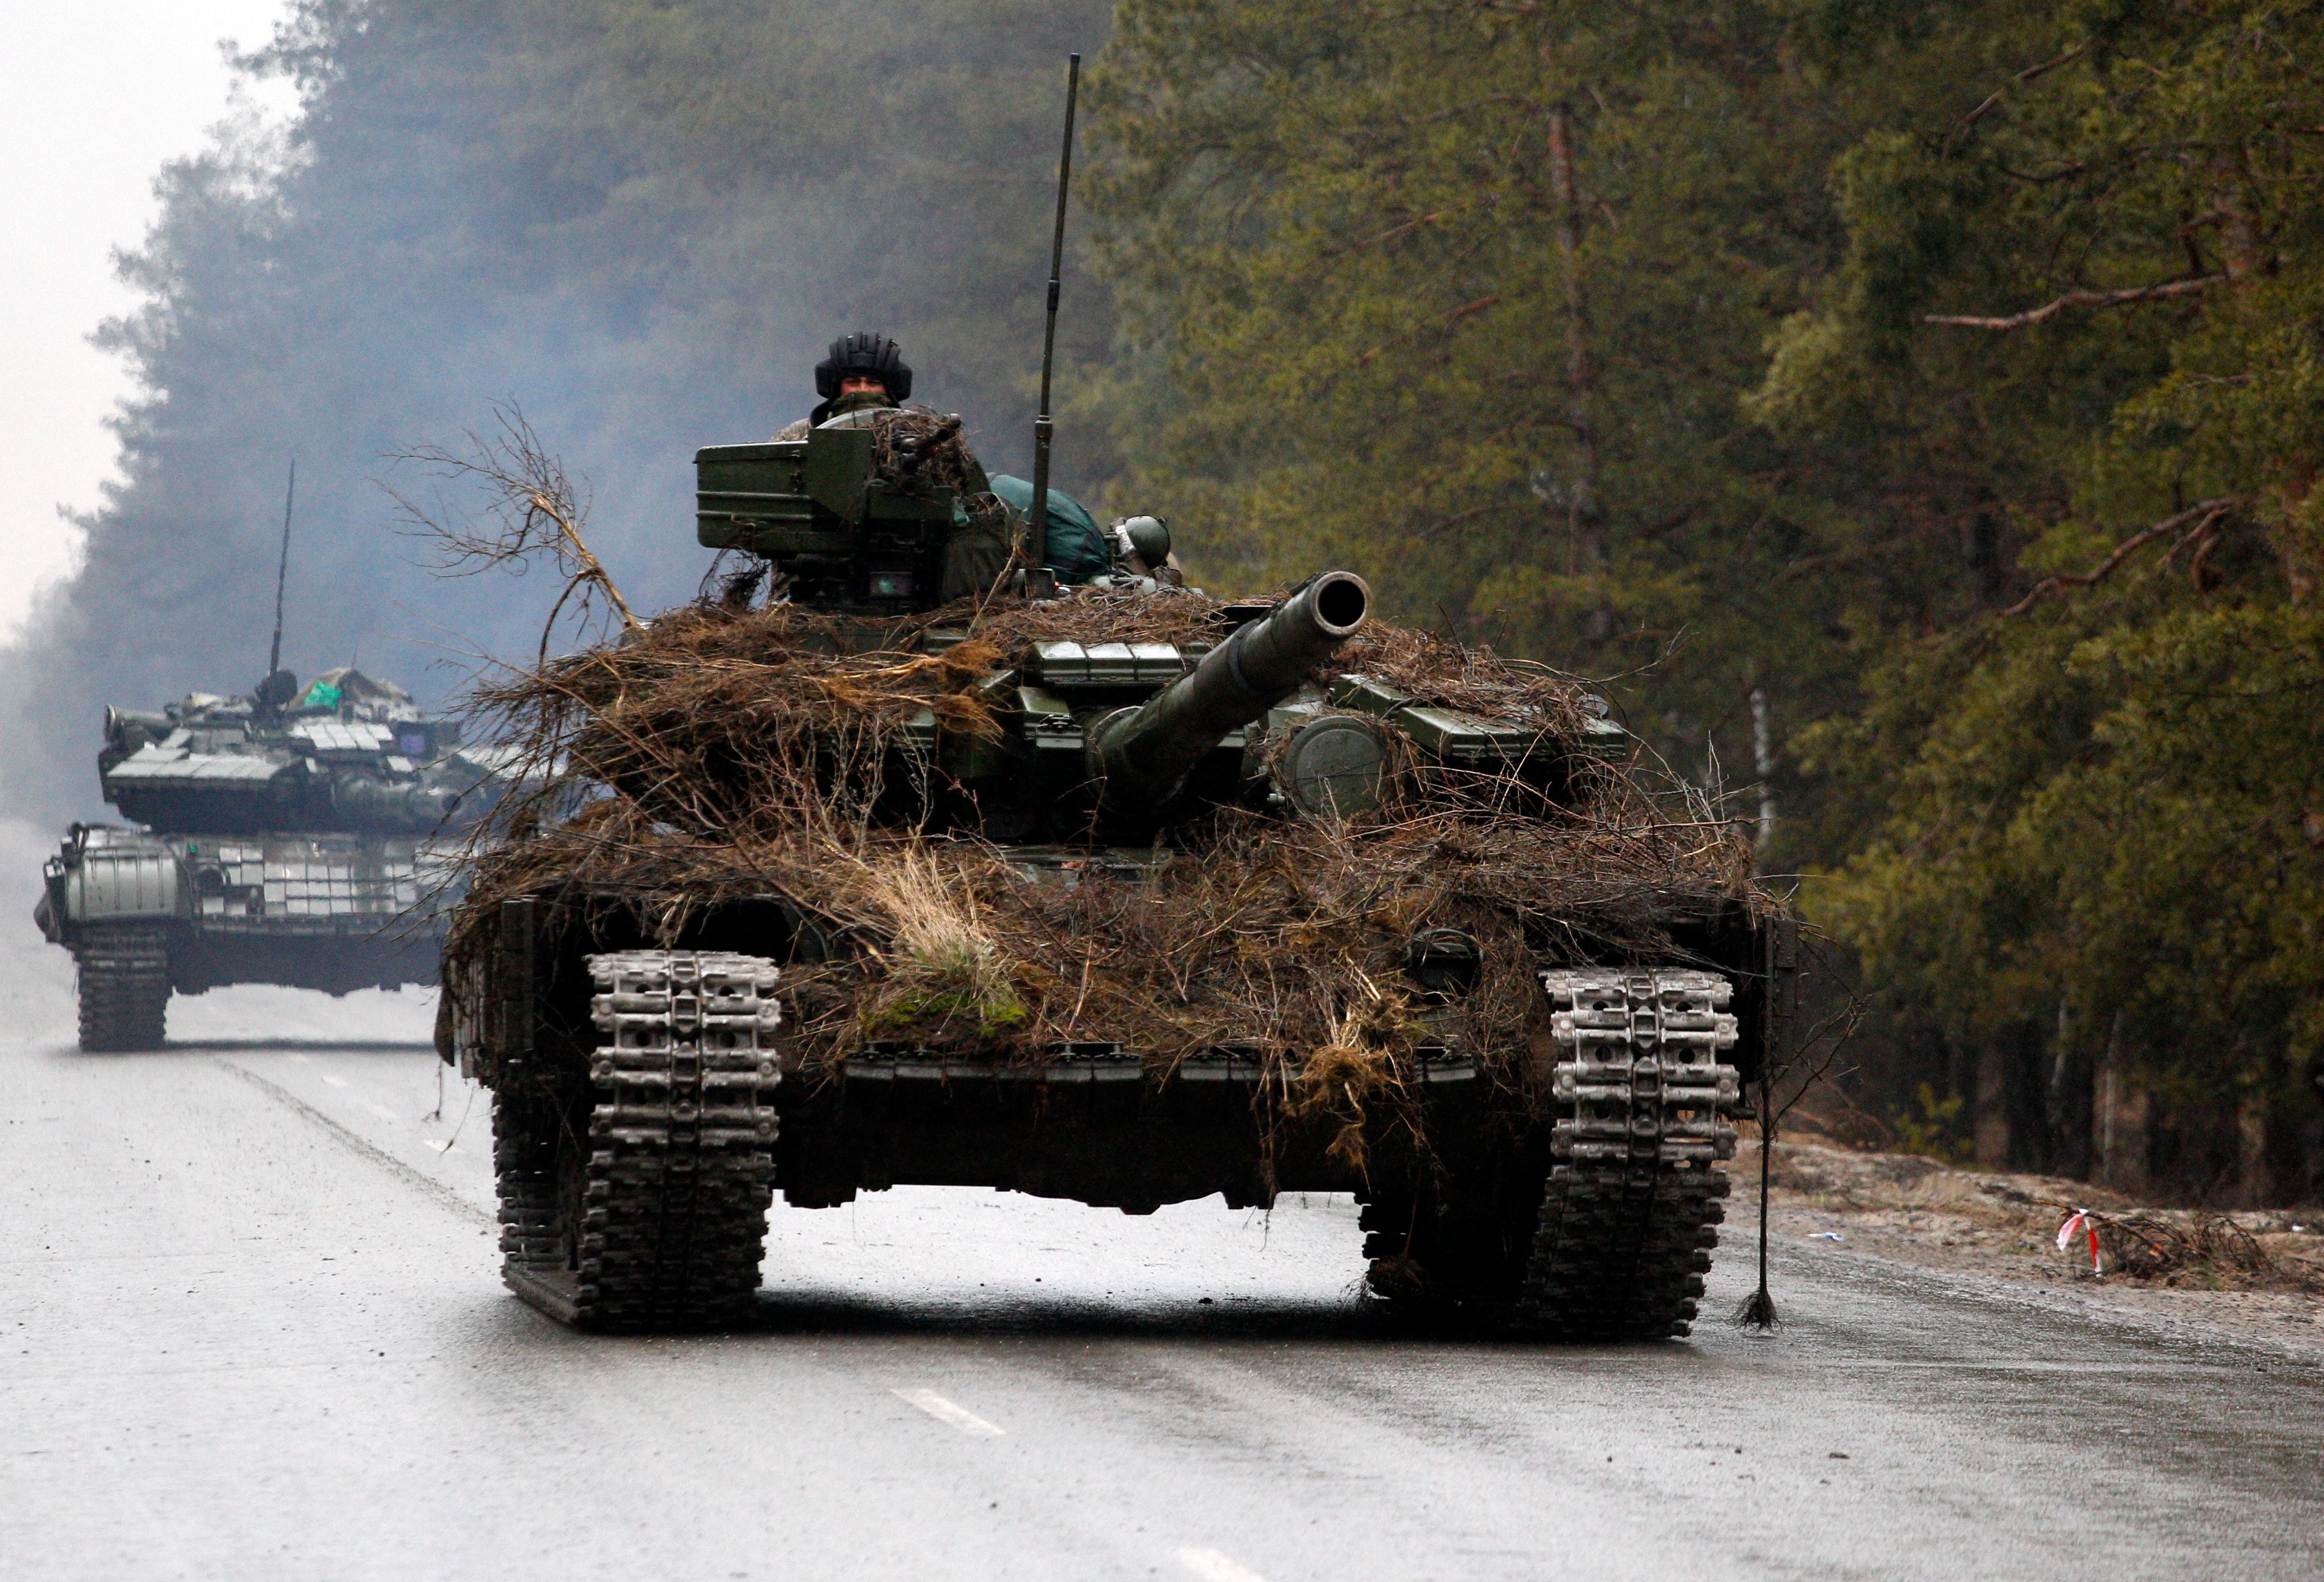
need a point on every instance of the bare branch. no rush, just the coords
(2084, 299)
(1393, 233)
(2053, 62)
(1960, 128)
(1447, 318)
(530, 510)
(1462, 518)
(2204, 515)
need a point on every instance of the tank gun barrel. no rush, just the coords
(1139, 755)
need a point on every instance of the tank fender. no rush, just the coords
(44, 913)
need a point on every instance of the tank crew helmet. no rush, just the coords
(867, 353)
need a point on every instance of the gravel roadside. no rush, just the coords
(1916, 1211)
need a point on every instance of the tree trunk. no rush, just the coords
(2067, 1104)
(1989, 1105)
(1763, 764)
(1585, 522)
(2123, 1121)
(2006, 1108)
(2255, 1175)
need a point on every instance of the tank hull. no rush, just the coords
(1533, 1216)
(151, 914)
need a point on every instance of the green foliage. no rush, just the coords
(2031, 590)
(1335, 235)
(1936, 1130)
(2096, 809)
(1350, 316)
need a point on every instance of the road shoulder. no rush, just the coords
(1997, 1232)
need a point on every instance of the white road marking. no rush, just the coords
(382, 1111)
(1214, 1567)
(299, 1060)
(943, 1411)
(438, 1147)
(335, 1081)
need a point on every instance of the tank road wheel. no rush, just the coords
(1635, 1193)
(125, 986)
(641, 1205)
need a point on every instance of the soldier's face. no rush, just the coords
(859, 383)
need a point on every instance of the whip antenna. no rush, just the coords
(282, 574)
(1038, 523)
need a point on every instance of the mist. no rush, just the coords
(641, 223)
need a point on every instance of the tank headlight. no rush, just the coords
(1445, 962)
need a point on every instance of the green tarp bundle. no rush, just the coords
(1076, 546)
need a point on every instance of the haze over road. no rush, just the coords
(253, 1329)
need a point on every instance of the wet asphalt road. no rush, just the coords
(251, 1327)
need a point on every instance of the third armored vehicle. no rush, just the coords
(288, 835)
(1140, 896)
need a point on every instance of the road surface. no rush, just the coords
(253, 1329)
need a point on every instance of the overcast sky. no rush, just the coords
(94, 99)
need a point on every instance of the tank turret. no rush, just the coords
(1137, 756)
(347, 752)
(416, 806)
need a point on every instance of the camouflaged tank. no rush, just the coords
(297, 842)
(647, 1104)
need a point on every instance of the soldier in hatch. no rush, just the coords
(864, 373)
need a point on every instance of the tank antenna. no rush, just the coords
(282, 574)
(1037, 521)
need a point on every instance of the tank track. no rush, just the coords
(125, 986)
(641, 1205)
(1635, 1194)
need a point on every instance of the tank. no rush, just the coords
(289, 836)
(665, 1055)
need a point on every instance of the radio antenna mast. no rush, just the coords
(1038, 523)
(281, 576)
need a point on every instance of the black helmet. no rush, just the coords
(864, 352)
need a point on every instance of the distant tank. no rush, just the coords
(653, 1085)
(290, 836)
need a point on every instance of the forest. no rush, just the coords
(1912, 413)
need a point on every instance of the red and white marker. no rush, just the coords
(2083, 1221)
